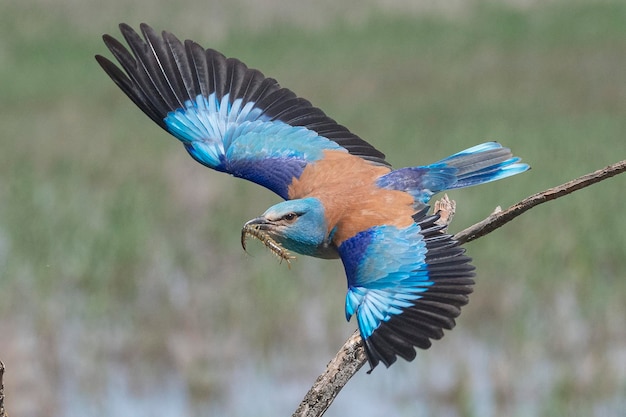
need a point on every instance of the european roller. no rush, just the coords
(407, 278)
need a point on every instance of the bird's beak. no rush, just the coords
(259, 223)
(256, 228)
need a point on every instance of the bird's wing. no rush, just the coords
(405, 286)
(229, 117)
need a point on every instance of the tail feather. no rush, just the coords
(480, 164)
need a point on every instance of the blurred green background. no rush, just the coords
(123, 287)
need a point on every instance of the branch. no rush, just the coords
(2, 412)
(496, 220)
(351, 357)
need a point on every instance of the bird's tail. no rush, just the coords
(480, 164)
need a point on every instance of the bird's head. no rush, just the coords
(297, 225)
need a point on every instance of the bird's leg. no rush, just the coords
(446, 209)
(266, 239)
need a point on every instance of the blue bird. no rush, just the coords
(407, 279)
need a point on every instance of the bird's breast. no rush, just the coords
(346, 186)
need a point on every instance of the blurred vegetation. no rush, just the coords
(112, 238)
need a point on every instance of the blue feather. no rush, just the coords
(379, 284)
(477, 165)
(482, 163)
(244, 142)
(404, 300)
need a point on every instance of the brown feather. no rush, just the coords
(346, 186)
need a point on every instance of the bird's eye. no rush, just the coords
(290, 217)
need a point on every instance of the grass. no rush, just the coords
(105, 222)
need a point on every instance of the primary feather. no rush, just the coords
(404, 300)
(229, 117)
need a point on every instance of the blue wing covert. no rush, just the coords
(405, 286)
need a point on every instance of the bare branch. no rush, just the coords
(2, 411)
(501, 218)
(351, 356)
(345, 364)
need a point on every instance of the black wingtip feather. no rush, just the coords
(160, 73)
(452, 276)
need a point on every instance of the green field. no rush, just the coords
(121, 270)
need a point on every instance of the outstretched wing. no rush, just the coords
(229, 117)
(405, 286)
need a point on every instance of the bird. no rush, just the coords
(407, 278)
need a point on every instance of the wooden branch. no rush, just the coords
(501, 218)
(2, 411)
(351, 357)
